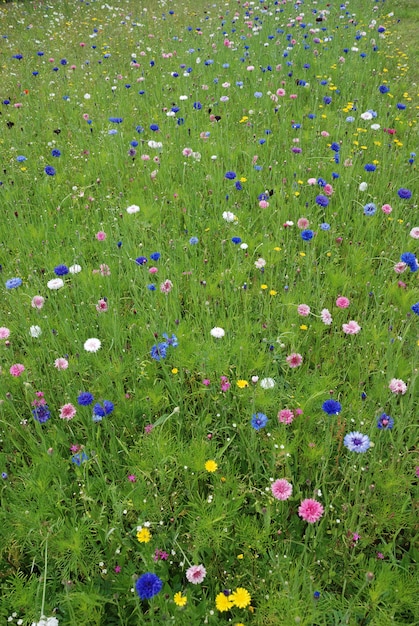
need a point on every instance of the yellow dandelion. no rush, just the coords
(211, 466)
(179, 599)
(223, 602)
(240, 556)
(273, 292)
(175, 370)
(241, 598)
(264, 286)
(241, 384)
(303, 327)
(143, 535)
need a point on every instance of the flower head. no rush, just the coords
(143, 535)
(385, 422)
(223, 602)
(241, 598)
(67, 412)
(148, 585)
(332, 407)
(211, 466)
(85, 398)
(37, 302)
(310, 510)
(356, 442)
(92, 344)
(351, 328)
(196, 574)
(41, 413)
(179, 599)
(17, 369)
(397, 386)
(281, 489)
(217, 332)
(12, 283)
(259, 420)
(294, 360)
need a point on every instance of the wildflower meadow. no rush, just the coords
(209, 313)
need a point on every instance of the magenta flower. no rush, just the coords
(286, 416)
(310, 510)
(281, 489)
(196, 574)
(17, 369)
(101, 235)
(67, 412)
(342, 302)
(294, 359)
(351, 328)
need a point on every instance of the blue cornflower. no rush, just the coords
(230, 175)
(401, 106)
(100, 411)
(61, 270)
(171, 341)
(383, 89)
(197, 106)
(238, 185)
(350, 119)
(148, 585)
(236, 240)
(385, 422)
(85, 398)
(332, 407)
(193, 241)
(79, 458)
(325, 226)
(49, 170)
(55, 153)
(370, 167)
(12, 283)
(153, 127)
(258, 94)
(356, 442)
(134, 143)
(410, 259)
(259, 420)
(327, 99)
(316, 595)
(404, 194)
(307, 235)
(20, 158)
(116, 120)
(335, 147)
(415, 308)
(154, 256)
(151, 287)
(63, 61)
(370, 208)
(141, 260)
(112, 131)
(41, 413)
(159, 351)
(322, 201)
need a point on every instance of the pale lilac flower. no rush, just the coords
(133, 208)
(61, 363)
(260, 263)
(4, 332)
(397, 386)
(303, 222)
(415, 232)
(303, 310)
(351, 328)
(400, 267)
(104, 269)
(326, 317)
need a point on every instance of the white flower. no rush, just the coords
(35, 331)
(133, 209)
(55, 283)
(183, 97)
(366, 116)
(155, 144)
(244, 246)
(46, 621)
(217, 332)
(375, 126)
(229, 216)
(74, 269)
(363, 186)
(92, 344)
(87, 96)
(267, 383)
(260, 263)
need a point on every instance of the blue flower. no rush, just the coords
(370, 208)
(238, 185)
(332, 407)
(49, 170)
(61, 270)
(369, 167)
(385, 422)
(148, 585)
(236, 240)
(159, 351)
(193, 241)
(79, 458)
(41, 413)
(85, 398)
(230, 175)
(116, 120)
(325, 226)
(383, 89)
(350, 119)
(154, 256)
(401, 106)
(55, 153)
(356, 442)
(410, 259)
(141, 260)
(100, 411)
(307, 235)
(404, 194)
(153, 127)
(171, 341)
(20, 158)
(335, 147)
(259, 420)
(415, 308)
(197, 106)
(12, 283)
(322, 201)
(151, 287)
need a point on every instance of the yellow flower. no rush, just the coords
(223, 602)
(264, 286)
(143, 535)
(240, 556)
(211, 466)
(277, 249)
(303, 327)
(175, 370)
(243, 179)
(179, 599)
(241, 598)
(241, 384)
(273, 292)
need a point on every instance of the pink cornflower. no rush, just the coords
(104, 270)
(166, 286)
(260, 263)
(102, 306)
(417, 472)
(17, 369)
(310, 510)
(351, 328)
(303, 310)
(153, 270)
(148, 428)
(196, 574)
(117, 569)
(328, 190)
(61, 363)
(225, 385)
(294, 359)
(4, 332)
(263, 204)
(281, 489)
(386, 208)
(206, 382)
(342, 302)
(38, 302)
(303, 223)
(415, 232)
(326, 317)
(132, 478)
(286, 416)
(312, 181)
(398, 386)
(67, 412)
(101, 235)
(280, 92)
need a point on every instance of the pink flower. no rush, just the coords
(396, 385)
(303, 310)
(104, 270)
(286, 416)
(326, 317)
(166, 286)
(4, 332)
(206, 382)
(386, 208)
(328, 190)
(294, 359)
(342, 302)
(38, 302)
(102, 306)
(417, 472)
(117, 569)
(148, 428)
(280, 92)
(225, 385)
(281, 489)
(400, 267)
(293, 96)
(324, 133)
(132, 478)
(310, 510)
(259, 263)
(67, 412)
(61, 364)
(303, 223)
(312, 181)
(196, 574)
(152, 270)
(415, 232)
(101, 235)
(351, 328)
(263, 204)
(17, 369)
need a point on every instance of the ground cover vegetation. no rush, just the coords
(209, 313)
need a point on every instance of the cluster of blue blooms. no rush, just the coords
(159, 350)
